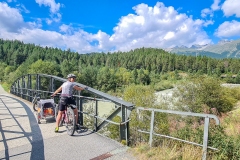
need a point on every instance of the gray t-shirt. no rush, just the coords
(67, 89)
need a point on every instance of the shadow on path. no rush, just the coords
(37, 143)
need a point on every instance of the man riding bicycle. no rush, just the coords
(66, 98)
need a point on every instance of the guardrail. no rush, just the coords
(26, 85)
(206, 127)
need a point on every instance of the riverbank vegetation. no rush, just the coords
(195, 94)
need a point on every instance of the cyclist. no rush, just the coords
(66, 98)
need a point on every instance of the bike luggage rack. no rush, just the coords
(206, 127)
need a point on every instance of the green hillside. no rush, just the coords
(110, 71)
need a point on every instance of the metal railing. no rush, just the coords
(206, 127)
(26, 86)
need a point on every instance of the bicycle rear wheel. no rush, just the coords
(35, 106)
(71, 122)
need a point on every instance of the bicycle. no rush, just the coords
(35, 101)
(68, 119)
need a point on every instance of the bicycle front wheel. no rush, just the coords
(71, 122)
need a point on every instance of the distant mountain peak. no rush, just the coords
(223, 49)
(224, 41)
(182, 46)
(194, 46)
(198, 46)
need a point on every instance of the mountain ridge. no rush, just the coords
(223, 49)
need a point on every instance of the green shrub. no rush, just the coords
(163, 85)
(225, 144)
(201, 94)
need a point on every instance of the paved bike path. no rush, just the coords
(22, 138)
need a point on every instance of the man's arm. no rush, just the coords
(79, 88)
(58, 90)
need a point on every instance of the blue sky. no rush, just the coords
(119, 25)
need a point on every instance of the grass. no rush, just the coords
(231, 121)
(168, 151)
(5, 86)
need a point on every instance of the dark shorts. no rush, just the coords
(64, 101)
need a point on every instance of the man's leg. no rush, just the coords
(59, 116)
(61, 110)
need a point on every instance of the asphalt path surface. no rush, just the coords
(22, 138)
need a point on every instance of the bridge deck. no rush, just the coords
(22, 138)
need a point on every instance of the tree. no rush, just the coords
(88, 76)
(2, 68)
(135, 75)
(45, 67)
(66, 67)
(106, 79)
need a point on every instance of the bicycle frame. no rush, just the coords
(65, 117)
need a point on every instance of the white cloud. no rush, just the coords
(208, 22)
(54, 10)
(209, 11)
(54, 7)
(215, 6)
(205, 12)
(169, 35)
(10, 19)
(228, 29)
(157, 26)
(231, 7)
(65, 28)
(21, 7)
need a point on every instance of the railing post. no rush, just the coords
(151, 128)
(23, 87)
(80, 114)
(27, 92)
(29, 87)
(18, 88)
(124, 128)
(38, 81)
(96, 114)
(205, 138)
(26, 88)
(52, 85)
(15, 88)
